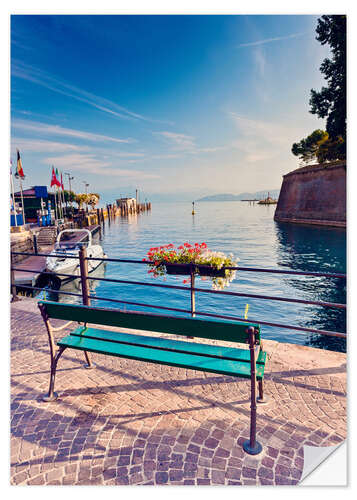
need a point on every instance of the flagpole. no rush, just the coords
(55, 204)
(60, 195)
(13, 192)
(22, 201)
(60, 201)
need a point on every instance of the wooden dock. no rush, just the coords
(37, 263)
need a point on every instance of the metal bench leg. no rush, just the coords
(252, 446)
(89, 364)
(262, 398)
(52, 396)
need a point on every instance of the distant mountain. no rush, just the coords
(274, 193)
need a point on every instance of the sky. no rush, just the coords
(178, 107)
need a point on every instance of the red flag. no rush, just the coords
(54, 181)
(19, 171)
(62, 183)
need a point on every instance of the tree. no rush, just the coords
(81, 198)
(330, 102)
(69, 196)
(308, 149)
(93, 199)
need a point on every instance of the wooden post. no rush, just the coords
(251, 446)
(15, 298)
(35, 249)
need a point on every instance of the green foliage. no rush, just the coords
(92, 199)
(69, 196)
(330, 102)
(308, 149)
(80, 199)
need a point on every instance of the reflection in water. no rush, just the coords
(316, 249)
(74, 286)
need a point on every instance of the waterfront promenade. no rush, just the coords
(127, 422)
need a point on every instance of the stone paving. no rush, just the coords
(129, 422)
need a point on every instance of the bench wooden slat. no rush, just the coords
(164, 343)
(214, 365)
(218, 330)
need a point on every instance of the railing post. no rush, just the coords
(251, 446)
(83, 264)
(193, 298)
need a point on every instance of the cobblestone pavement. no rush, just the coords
(128, 422)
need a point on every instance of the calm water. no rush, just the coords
(250, 233)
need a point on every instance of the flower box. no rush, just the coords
(185, 269)
(181, 269)
(211, 271)
(188, 259)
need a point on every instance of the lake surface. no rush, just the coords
(251, 234)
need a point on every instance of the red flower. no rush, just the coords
(187, 245)
(144, 260)
(203, 245)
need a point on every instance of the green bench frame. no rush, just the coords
(237, 362)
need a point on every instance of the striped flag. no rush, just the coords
(19, 171)
(54, 180)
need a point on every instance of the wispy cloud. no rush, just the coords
(40, 77)
(45, 128)
(260, 140)
(180, 142)
(269, 40)
(43, 146)
(89, 164)
(185, 143)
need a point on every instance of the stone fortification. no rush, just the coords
(315, 194)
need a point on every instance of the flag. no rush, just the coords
(19, 171)
(62, 183)
(54, 181)
(57, 177)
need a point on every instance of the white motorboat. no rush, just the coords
(66, 249)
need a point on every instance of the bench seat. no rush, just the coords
(192, 355)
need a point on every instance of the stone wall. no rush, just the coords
(21, 242)
(314, 195)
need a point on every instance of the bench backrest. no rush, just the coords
(218, 330)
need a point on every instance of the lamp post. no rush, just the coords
(70, 178)
(86, 185)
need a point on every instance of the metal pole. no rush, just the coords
(83, 265)
(251, 446)
(22, 201)
(193, 301)
(13, 192)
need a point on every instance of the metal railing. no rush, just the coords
(87, 297)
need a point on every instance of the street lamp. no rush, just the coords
(70, 178)
(86, 185)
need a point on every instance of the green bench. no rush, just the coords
(235, 362)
